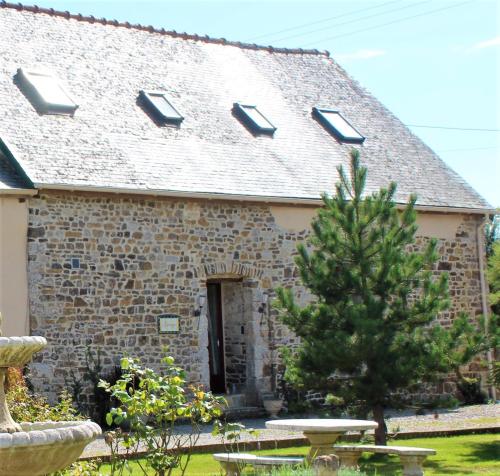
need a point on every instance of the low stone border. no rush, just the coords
(301, 441)
(406, 435)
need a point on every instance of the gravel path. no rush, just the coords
(475, 416)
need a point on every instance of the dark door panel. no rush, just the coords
(215, 339)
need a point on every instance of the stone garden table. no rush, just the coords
(322, 433)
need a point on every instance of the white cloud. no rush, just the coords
(485, 44)
(360, 55)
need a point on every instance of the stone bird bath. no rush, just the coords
(31, 449)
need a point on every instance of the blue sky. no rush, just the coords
(431, 62)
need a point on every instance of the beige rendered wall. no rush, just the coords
(13, 266)
(432, 225)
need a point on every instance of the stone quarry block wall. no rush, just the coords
(103, 267)
(235, 311)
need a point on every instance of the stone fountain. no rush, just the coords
(31, 449)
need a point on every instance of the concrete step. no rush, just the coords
(236, 400)
(238, 413)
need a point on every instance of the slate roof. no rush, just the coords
(111, 143)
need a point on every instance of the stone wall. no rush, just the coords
(235, 319)
(103, 267)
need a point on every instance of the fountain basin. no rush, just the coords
(41, 448)
(17, 351)
(14, 352)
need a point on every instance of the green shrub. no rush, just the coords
(78, 383)
(470, 390)
(25, 406)
(442, 401)
(151, 404)
(310, 472)
(495, 374)
(230, 434)
(81, 468)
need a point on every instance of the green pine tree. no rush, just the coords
(371, 329)
(494, 277)
(492, 232)
(494, 282)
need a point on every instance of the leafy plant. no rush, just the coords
(93, 374)
(492, 232)
(151, 404)
(287, 471)
(461, 344)
(74, 383)
(231, 433)
(494, 277)
(470, 389)
(442, 401)
(296, 401)
(28, 407)
(82, 468)
(495, 374)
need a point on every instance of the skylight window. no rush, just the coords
(253, 119)
(157, 104)
(337, 125)
(45, 92)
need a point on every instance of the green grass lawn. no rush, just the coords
(457, 455)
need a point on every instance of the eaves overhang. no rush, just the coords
(304, 201)
(18, 192)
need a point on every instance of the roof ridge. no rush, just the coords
(161, 31)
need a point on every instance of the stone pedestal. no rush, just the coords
(349, 459)
(7, 424)
(231, 469)
(412, 465)
(321, 443)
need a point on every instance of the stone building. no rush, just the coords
(150, 179)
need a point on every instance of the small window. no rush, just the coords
(157, 104)
(253, 119)
(45, 92)
(337, 125)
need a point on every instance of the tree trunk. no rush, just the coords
(381, 430)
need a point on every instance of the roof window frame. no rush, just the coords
(145, 98)
(318, 114)
(25, 78)
(255, 128)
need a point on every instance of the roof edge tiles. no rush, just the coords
(161, 31)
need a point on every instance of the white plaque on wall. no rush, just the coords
(168, 324)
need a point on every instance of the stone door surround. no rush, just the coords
(248, 279)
